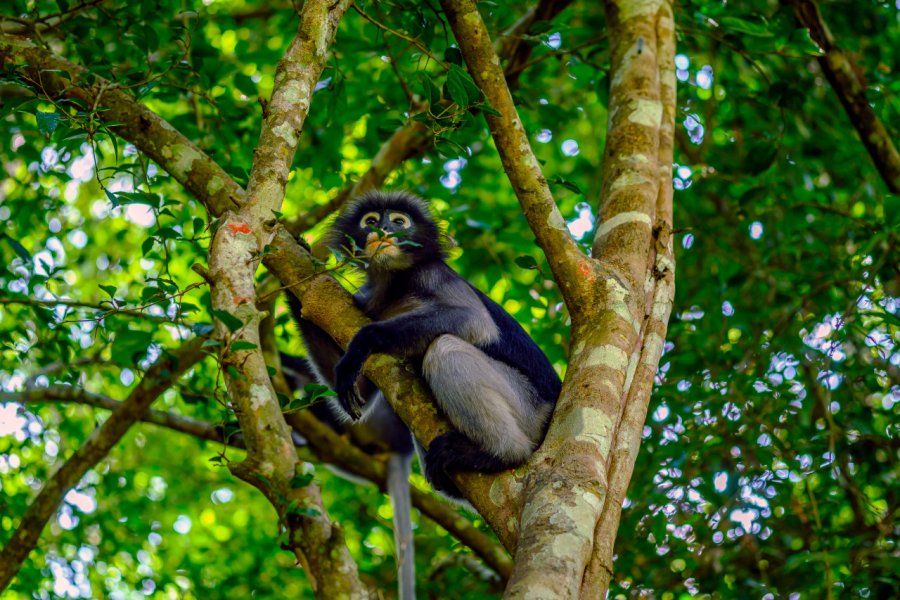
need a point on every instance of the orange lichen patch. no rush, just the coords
(239, 228)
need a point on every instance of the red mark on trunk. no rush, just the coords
(239, 228)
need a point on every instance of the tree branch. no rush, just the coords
(58, 79)
(271, 464)
(511, 44)
(328, 446)
(618, 332)
(852, 93)
(108, 308)
(157, 379)
(415, 138)
(519, 162)
(70, 394)
(412, 139)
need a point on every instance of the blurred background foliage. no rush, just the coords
(770, 458)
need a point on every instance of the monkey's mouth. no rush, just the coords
(382, 247)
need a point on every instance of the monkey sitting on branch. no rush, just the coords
(490, 380)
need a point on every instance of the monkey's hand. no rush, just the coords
(346, 374)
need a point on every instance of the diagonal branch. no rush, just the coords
(58, 79)
(851, 91)
(157, 379)
(567, 262)
(70, 394)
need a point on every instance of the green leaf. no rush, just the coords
(430, 92)
(130, 346)
(760, 156)
(462, 88)
(539, 27)
(526, 262)
(229, 320)
(301, 480)
(490, 110)
(109, 289)
(18, 248)
(758, 28)
(245, 85)
(456, 86)
(113, 199)
(147, 245)
(316, 391)
(801, 42)
(146, 39)
(569, 185)
(47, 121)
(453, 56)
(138, 198)
(448, 147)
(168, 233)
(243, 345)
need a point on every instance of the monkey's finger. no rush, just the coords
(355, 402)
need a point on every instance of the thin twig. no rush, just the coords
(402, 36)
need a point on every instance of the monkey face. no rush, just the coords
(388, 231)
(391, 230)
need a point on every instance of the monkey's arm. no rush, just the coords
(408, 334)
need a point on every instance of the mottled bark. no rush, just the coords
(271, 464)
(519, 161)
(619, 299)
(158, 378)
(659, 283)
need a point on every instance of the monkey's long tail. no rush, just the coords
(398, 470)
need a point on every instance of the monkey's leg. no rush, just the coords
(492, 406)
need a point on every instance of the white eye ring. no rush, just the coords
(370, 219)
(400, 220)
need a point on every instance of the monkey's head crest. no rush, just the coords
(392, 231)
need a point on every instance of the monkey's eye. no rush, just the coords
(369, 219)
(400, 220)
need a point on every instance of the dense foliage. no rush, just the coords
(770, 460)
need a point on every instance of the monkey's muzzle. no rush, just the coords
(382, 247)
